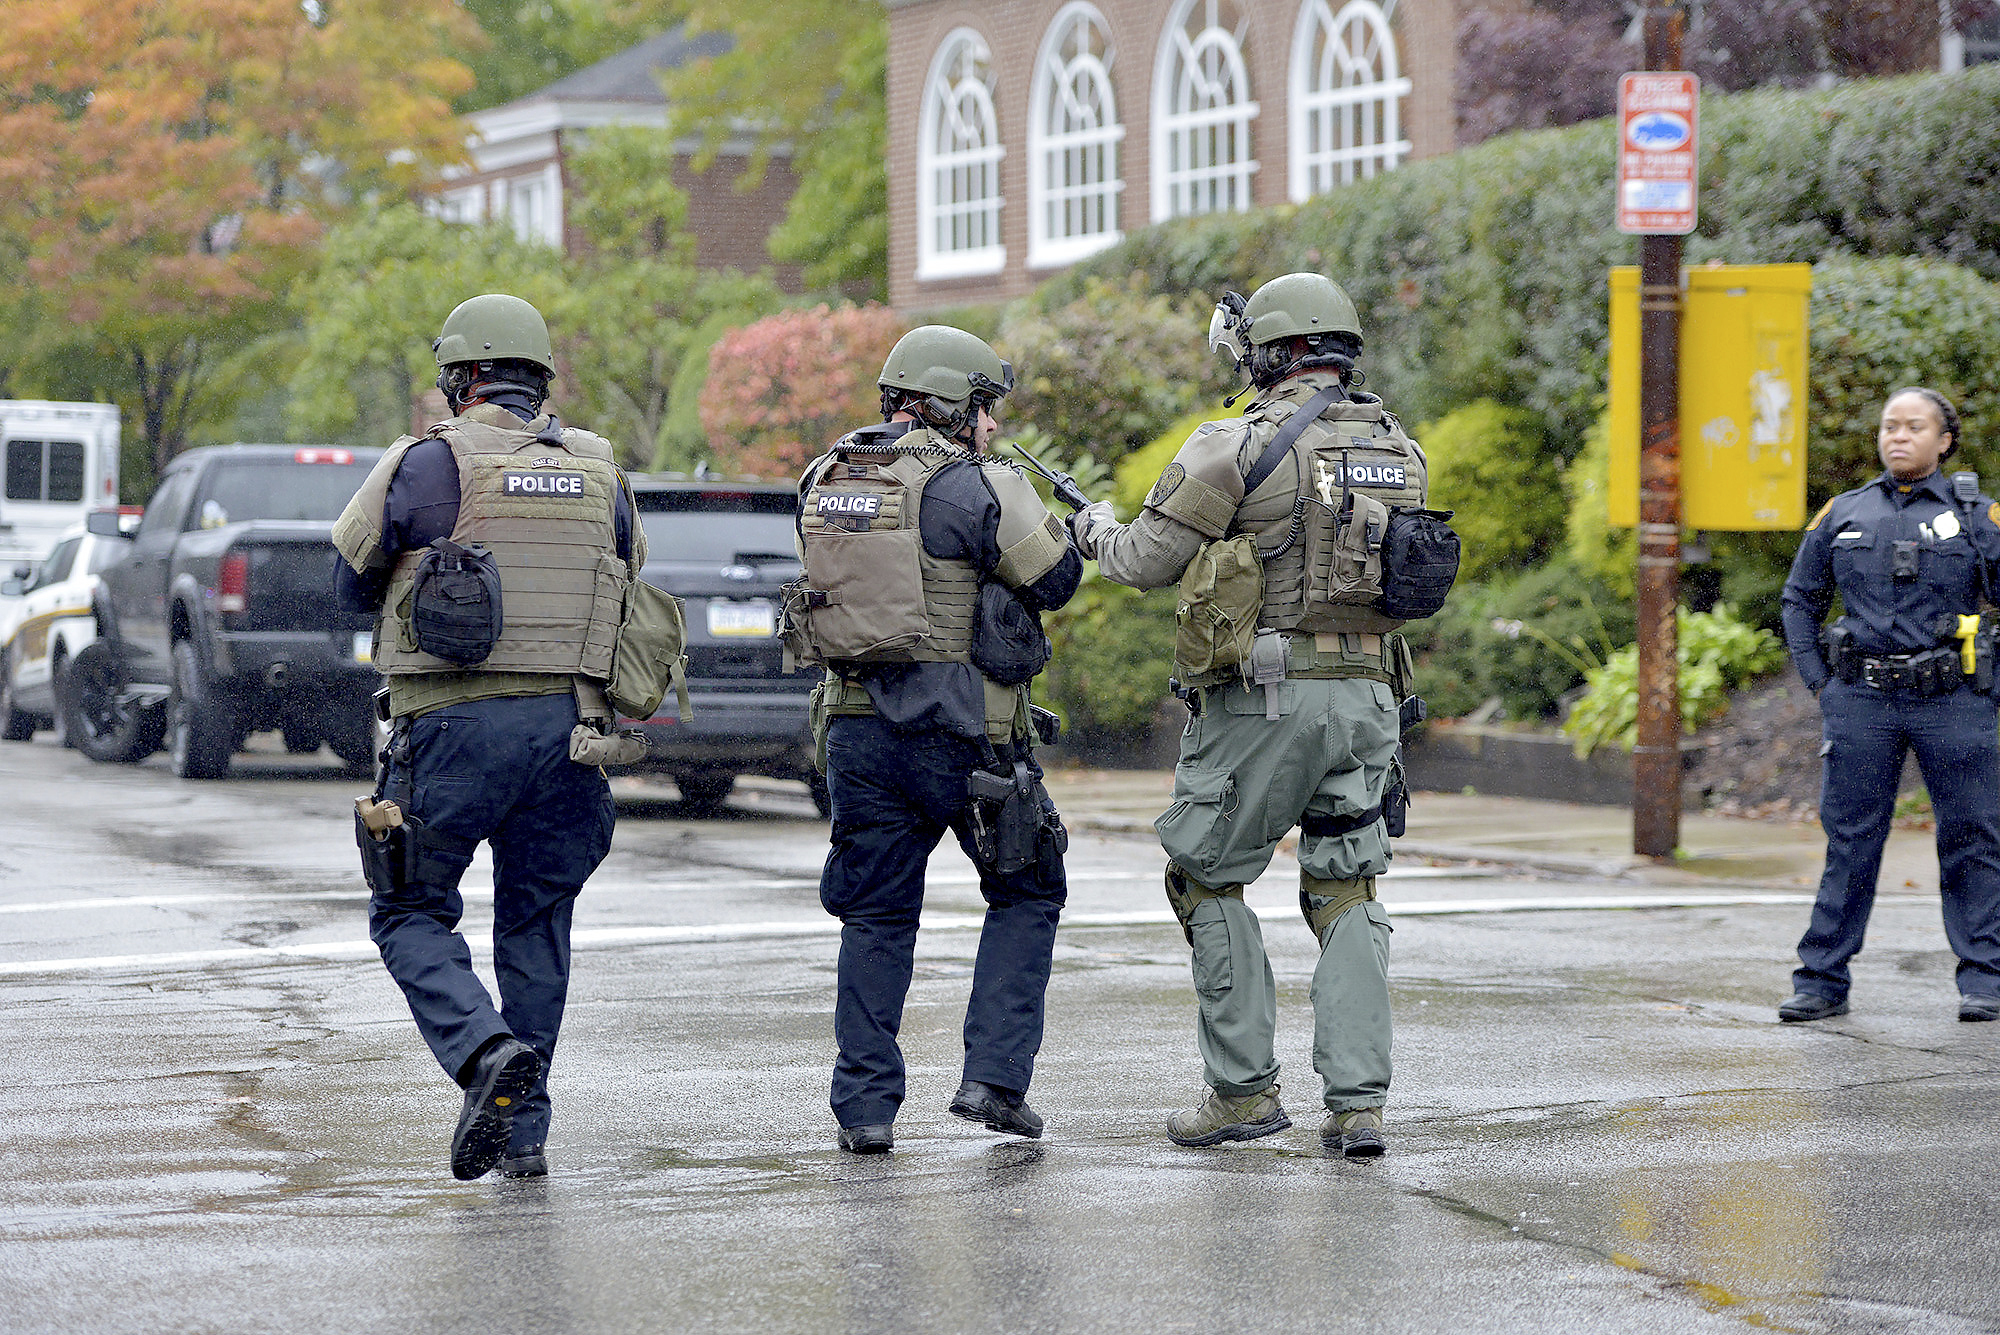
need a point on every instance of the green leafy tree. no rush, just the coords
(1508, 516)
(528, 44)
(810, 78)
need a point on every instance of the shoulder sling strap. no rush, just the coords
(1293, 427)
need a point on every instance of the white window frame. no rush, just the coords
(1073, 131)
(959, 87)
(1189, 75)
(1346, 97)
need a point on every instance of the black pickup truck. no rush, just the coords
(220, 621)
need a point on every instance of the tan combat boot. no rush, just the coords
(1223, 1118)
(1356, 1134)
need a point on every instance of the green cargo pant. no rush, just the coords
(1244, 781)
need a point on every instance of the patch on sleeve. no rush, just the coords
(1993, 514)
(1170, 479)
(1822, 514)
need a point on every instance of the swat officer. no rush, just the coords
(926, 567)
(1912, 556)
(1276, 526)
(484, 732)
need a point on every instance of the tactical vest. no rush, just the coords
(544, 511)
(1323, 514)
(870, 592)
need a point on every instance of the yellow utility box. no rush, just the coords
(1743, 396)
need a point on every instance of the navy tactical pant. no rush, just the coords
(894, 796)
(499, 771)
(1867, 735)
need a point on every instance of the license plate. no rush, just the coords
(364, 645)
(758, 620)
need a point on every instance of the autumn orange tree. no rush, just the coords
(166, 168)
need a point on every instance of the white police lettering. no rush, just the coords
(1373, 475)
(542, 484)
(862, 505)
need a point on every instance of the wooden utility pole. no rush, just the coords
(1656, 760)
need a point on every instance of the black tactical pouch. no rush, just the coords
(455, 603)
(1007, 640)
(1843, 660)
(1419, 563)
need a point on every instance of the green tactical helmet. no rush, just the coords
(1299, 303)
(494, 327)
(947, 364)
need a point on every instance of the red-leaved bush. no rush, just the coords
(781, 390)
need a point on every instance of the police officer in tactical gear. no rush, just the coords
(1913, 555)
(927, 565)
(488, 710)
(1276, 525)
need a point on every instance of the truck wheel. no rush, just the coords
(356, 737)
(101, 724)
(301, 741)
(201, 729)
(16, 725)
(703, 790)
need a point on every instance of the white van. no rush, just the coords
(60, 462)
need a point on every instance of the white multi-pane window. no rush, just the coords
(1201, 112)
(1073, 135)
(1346, 96)
(958, 164)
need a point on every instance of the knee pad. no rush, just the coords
(1322, 902)
(1185, 895)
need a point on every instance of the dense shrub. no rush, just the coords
(1508, 509)
(1715, 651)
(1527, 639)
(1610, 555)
(1481, 274)
(780, 390)
(1114, 650)
(1106, 370)
(1139, 470)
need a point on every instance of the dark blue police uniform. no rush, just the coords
(497, 771)
(898, 779)
(1905, 558)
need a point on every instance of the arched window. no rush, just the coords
(1073, 135)
(1346, 96)
(958, 164)
(1201, 113)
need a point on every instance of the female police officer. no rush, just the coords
(1910, 554)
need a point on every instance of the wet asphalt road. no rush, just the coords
(217, 1116)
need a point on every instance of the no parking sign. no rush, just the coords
(1658, 116)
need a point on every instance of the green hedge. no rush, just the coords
(1508, 508)
(1481, 274)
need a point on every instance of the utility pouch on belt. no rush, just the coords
(1265, 667)
(455, 603)
(1006, 818)
(650, 656)
(1843, 660)
(1216, 620)
(588, 746)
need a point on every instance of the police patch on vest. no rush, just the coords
(1170, 480)
(850, 504)
(542, 484)
(1369, 475)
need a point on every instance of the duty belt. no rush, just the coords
(1333, 655)
(1932, 672)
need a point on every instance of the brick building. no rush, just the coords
(1025, 135)
(519, 151)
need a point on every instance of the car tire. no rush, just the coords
(822, 797)
(357, 738)
(703, 791)
(59, 691)
(201, 728)
(99, 724)
(301, 741)
(16, 725)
